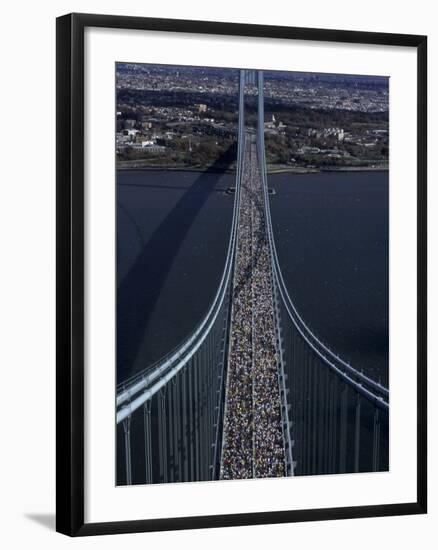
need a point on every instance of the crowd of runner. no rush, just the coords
(253, 438)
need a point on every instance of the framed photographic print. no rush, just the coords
(241, 274)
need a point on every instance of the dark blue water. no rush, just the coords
(172, 237)
(331, 231)
(332, 238)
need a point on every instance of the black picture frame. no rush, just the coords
(70, 273)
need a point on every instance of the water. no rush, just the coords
(331, 231)
(172, 237)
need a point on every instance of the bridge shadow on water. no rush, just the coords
(141, 287)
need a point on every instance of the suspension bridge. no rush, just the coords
(252, 391)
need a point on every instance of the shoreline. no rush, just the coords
(326, 170)
(271, 171)
(205, 169)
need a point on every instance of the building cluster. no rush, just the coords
(253, 443)
(186, 79)
(319, 133)
(272, 127)
(153, 130)
(329, 91)
(139, 134)
(331, 153)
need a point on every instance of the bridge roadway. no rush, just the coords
(253, 444)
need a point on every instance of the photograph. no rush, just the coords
(252, 273)
(216, 276)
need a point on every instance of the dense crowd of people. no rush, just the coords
(253, 443)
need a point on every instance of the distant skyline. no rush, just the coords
(268, 73)
(224, 80)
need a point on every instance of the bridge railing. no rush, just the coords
(337, 415)
(177, 402)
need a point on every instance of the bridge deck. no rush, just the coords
(253, 444)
